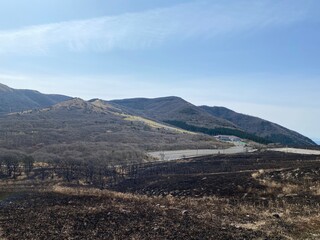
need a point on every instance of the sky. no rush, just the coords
(258, 57)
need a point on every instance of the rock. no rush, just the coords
(276, 215)
(185, 212)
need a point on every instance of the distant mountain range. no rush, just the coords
(169, 111)
(12, 100)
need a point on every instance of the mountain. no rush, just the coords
(89, 130)
(212, 120)
(260, 127)
(148, 113)
(172, 109)
(317, 141)
(180, 113)
(13, 100)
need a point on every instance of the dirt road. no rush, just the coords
(179, 154)
(296, 150)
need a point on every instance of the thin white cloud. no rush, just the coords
(140, 30)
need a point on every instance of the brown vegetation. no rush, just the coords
(86, 131)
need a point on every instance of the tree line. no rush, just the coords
(219, 131)
(14, 164)
(102, 174)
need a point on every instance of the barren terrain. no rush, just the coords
(265, 195)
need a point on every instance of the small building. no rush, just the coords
(228, 138)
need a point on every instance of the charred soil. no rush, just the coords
(246, 196)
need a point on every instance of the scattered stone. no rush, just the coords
(185, 212)
(276, 215)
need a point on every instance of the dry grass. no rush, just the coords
(243, 215)
(78, 191)
(294, 221)
(152, 124)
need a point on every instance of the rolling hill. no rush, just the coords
(13, 100)
(172, 108)
(79, 130)
(212, 120)
(155, 113)
(260, 127)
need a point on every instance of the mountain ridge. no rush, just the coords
(180, 113)
(81, 130)
(263, 128)
(171, 110)
(16, 100)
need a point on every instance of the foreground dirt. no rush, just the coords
(257, 196)
(76, 216)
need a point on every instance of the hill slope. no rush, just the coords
(260, 127)
(13, 100)
(212, 121)
(172, 109)
(150, 112)
(96, 131)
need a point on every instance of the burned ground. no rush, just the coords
(63, 216)
(247, 196)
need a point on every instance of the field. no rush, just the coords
(262, 195)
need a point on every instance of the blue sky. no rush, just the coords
(259, 57)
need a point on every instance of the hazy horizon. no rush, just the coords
(254, 57)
